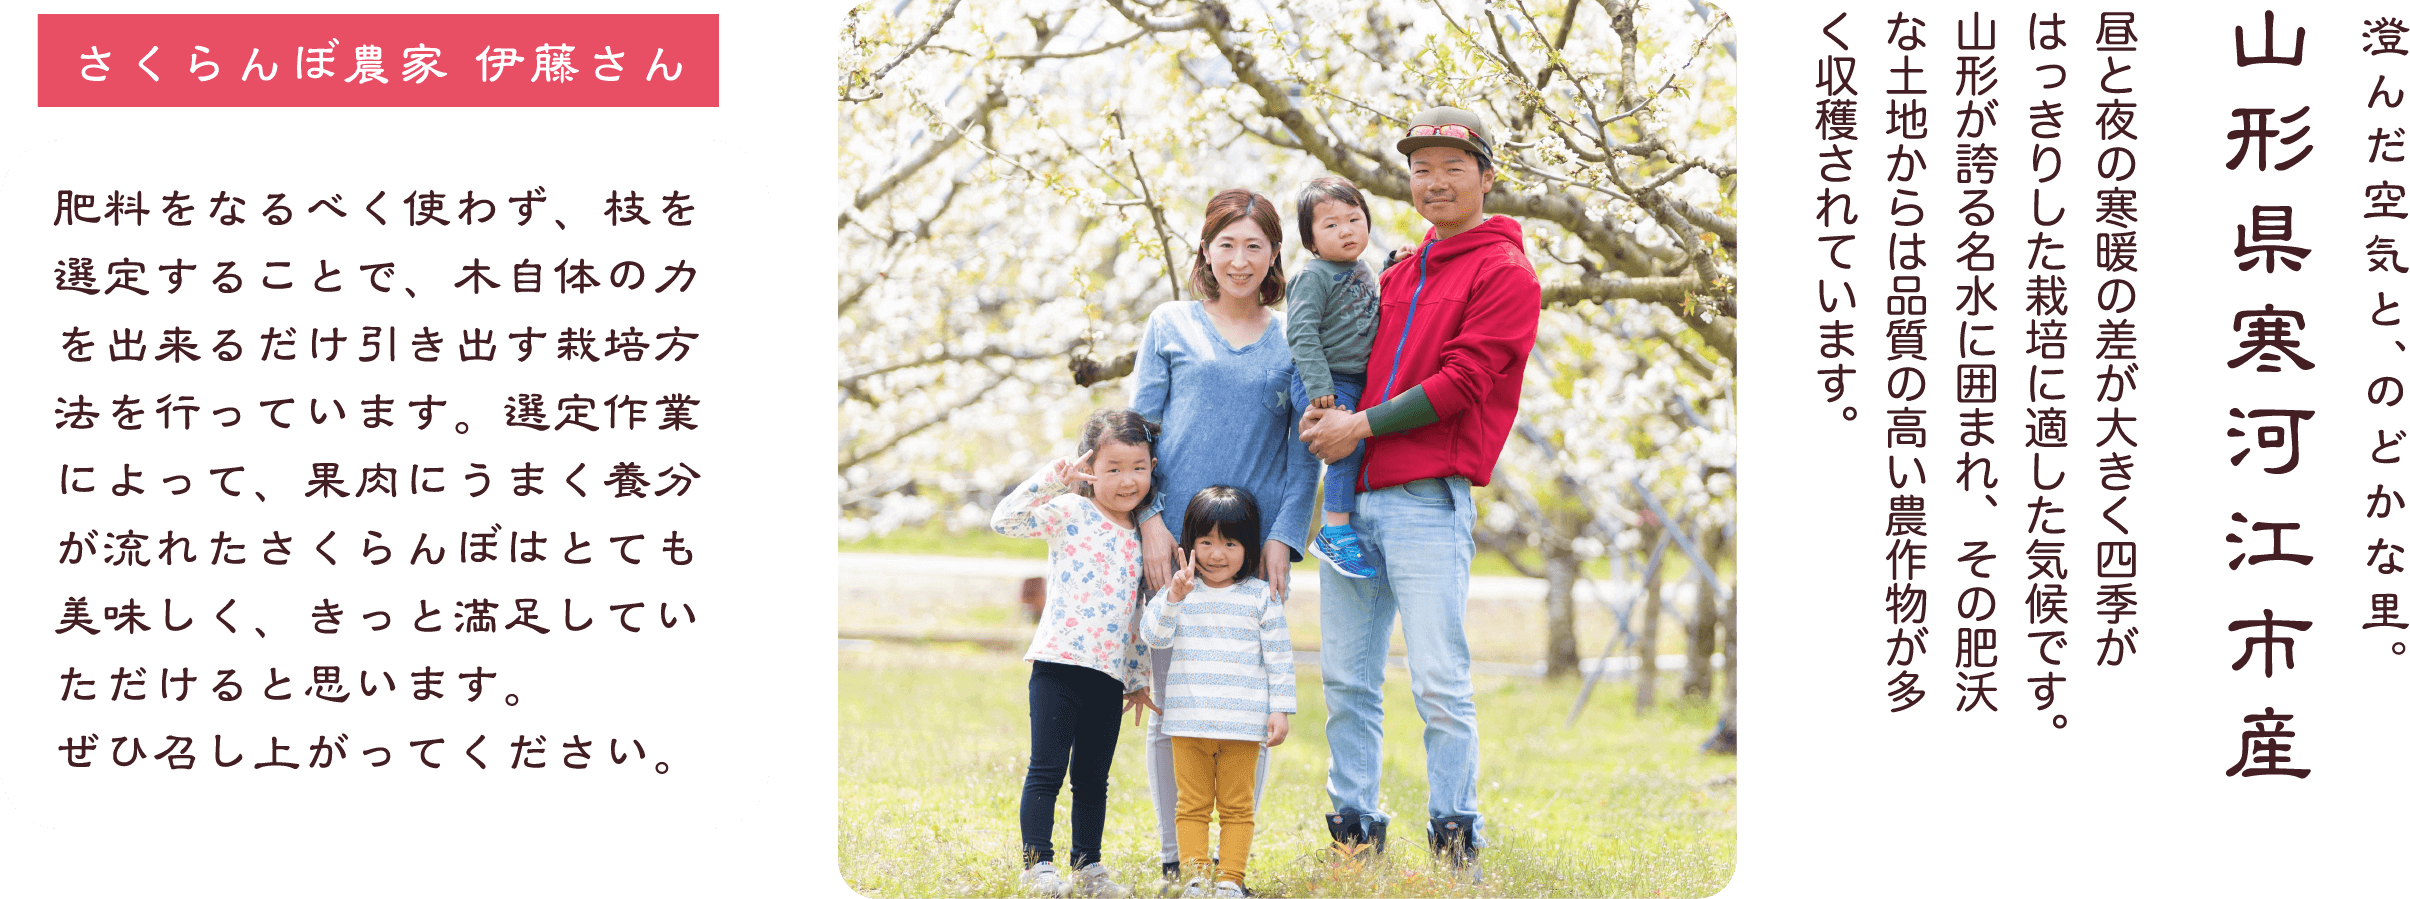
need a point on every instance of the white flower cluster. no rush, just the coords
(972, 283)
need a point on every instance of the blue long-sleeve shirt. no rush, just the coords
(1226, 420)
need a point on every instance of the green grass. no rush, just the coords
(1509, 631)
(932, 538)
(933, 743)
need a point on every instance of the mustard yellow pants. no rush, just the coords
(1215, 774)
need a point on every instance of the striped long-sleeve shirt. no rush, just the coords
(1231, 666)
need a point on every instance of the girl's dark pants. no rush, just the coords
(1074, 720)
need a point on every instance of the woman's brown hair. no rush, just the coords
(1224, 210)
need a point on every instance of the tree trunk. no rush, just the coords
(1732, 661)
(1652, 603)
(1564, 651)
(1728, 730)
(1698, 677)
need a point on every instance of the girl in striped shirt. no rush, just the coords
(1232, 685)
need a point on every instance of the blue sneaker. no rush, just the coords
(1343, 550)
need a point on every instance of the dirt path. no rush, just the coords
(971, 600)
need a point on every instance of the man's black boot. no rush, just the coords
(1452, 842)
(1352, 833)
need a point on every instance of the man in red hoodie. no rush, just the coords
(1445, 377)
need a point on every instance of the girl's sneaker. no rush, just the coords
(1043, 880)
(1097, 883)
(1198, 888)
(1230, 890)
(1340, 547)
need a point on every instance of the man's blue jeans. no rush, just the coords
(1420, 536)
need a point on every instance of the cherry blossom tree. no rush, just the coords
(1023, 181)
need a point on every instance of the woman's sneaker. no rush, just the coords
(1340, 547)
(1043, 880)
(1096, 882)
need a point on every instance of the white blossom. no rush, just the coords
(1019, 247)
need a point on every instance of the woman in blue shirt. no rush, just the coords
(1215, 374)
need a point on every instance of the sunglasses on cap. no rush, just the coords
(1444, 131)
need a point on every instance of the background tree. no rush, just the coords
(1024, 182)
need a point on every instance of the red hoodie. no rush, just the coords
(1457, 317)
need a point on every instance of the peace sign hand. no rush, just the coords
(1067, 470)
(1185, 580)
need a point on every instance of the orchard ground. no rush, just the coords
(933, 740)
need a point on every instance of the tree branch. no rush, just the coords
(1595, 508)
(1654, 145)
(978, 116)
(1689, 359)
(854, 459)
(1081, 153)
(1504, 55)
(1204, 13)
(1496, 542)
(1265, 136)
(854, 295)
(1644, 104)
(1727, 231)
(925, 37)
(1116, 45)
(1528, 510)
(1568, 182)
(1606, 146)
(1640, 268)
(1556, 48)
(1086, 372)
(1326, 92)
(1666, 292)
(1520, 568)
(1385, 179)
(1601, 288)
(953, 188)
(1686, 235)
(1622, 251)
(1649, 197)
(1718, 19)
(1643, 267)
(1154, 210)
(1668, 177)
(1627, 35)
(848, 382)
(994, 100)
